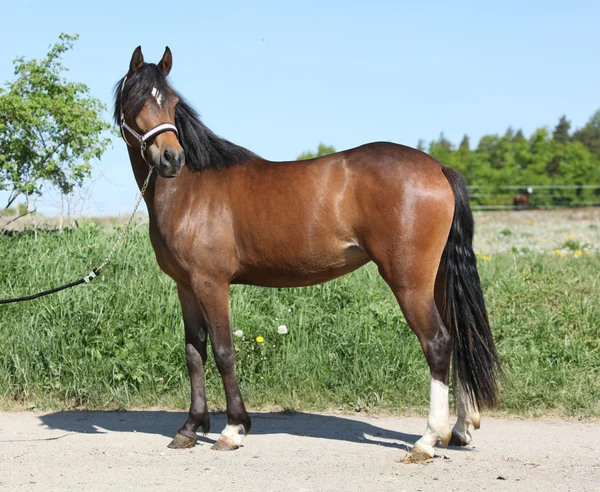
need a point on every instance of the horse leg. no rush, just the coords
(468, 414)
(422, 316)
(213, 298)
(195, 355)
(409, 265)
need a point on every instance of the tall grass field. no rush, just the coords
(118, 342)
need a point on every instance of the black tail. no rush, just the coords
(474, 358)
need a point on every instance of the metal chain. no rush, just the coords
(125, 229)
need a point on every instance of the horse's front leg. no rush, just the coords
(195, 355)
(213, 297)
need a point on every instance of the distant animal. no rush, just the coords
(221, 215)
(522, 201)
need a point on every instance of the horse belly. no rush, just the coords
(303, 269)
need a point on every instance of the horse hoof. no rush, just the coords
(457, 440)
(182, 442)
(416, 456)
(224, 445)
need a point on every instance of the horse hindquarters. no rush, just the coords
(407, 242)
(428, 262)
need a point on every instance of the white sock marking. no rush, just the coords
(439, 413)
(232, 433)
(438, 421)
(467, 415)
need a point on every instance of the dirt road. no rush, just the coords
(93, 451)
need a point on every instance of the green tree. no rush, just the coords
(560, 139)
(461, 160)
(589, 135)
(322, 149)
(489, 161)
(519, 136)
(522, 152)
(561, 131)
(441, 149)
(541, 152)
(50, 128)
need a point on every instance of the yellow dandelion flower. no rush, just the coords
(260, 339)
(485, 257)
(572, 236)
(529, 222)
(588, 253)
(578, 252)
(557, 251)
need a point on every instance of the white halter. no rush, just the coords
(142, 139)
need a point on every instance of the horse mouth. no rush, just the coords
(167, 174)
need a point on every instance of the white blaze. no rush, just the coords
(157, 95)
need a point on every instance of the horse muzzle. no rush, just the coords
(170, 163)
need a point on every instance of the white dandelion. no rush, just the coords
(238, 333)
(282, 329)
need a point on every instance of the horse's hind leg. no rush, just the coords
(422, 316)
(409, 265)
(468, 413)
(195, 355)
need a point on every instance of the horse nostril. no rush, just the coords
(168, 156)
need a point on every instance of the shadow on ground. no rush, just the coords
(165, 424)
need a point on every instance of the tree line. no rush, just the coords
(545, 160)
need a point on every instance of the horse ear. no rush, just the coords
(167, 61)
(137, 60)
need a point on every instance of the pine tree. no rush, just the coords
(561, 131)
(589, 135)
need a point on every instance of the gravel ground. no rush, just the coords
(542, 231)
(96, 451)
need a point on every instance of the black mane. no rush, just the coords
(203, 149)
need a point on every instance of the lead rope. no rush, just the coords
(96, 271)
(125, 229)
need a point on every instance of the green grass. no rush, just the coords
(118, 342)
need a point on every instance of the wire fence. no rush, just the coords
(519, 197)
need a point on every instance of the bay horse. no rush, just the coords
(522, 201)
(221, 215)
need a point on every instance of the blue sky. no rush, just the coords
(280, 77)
